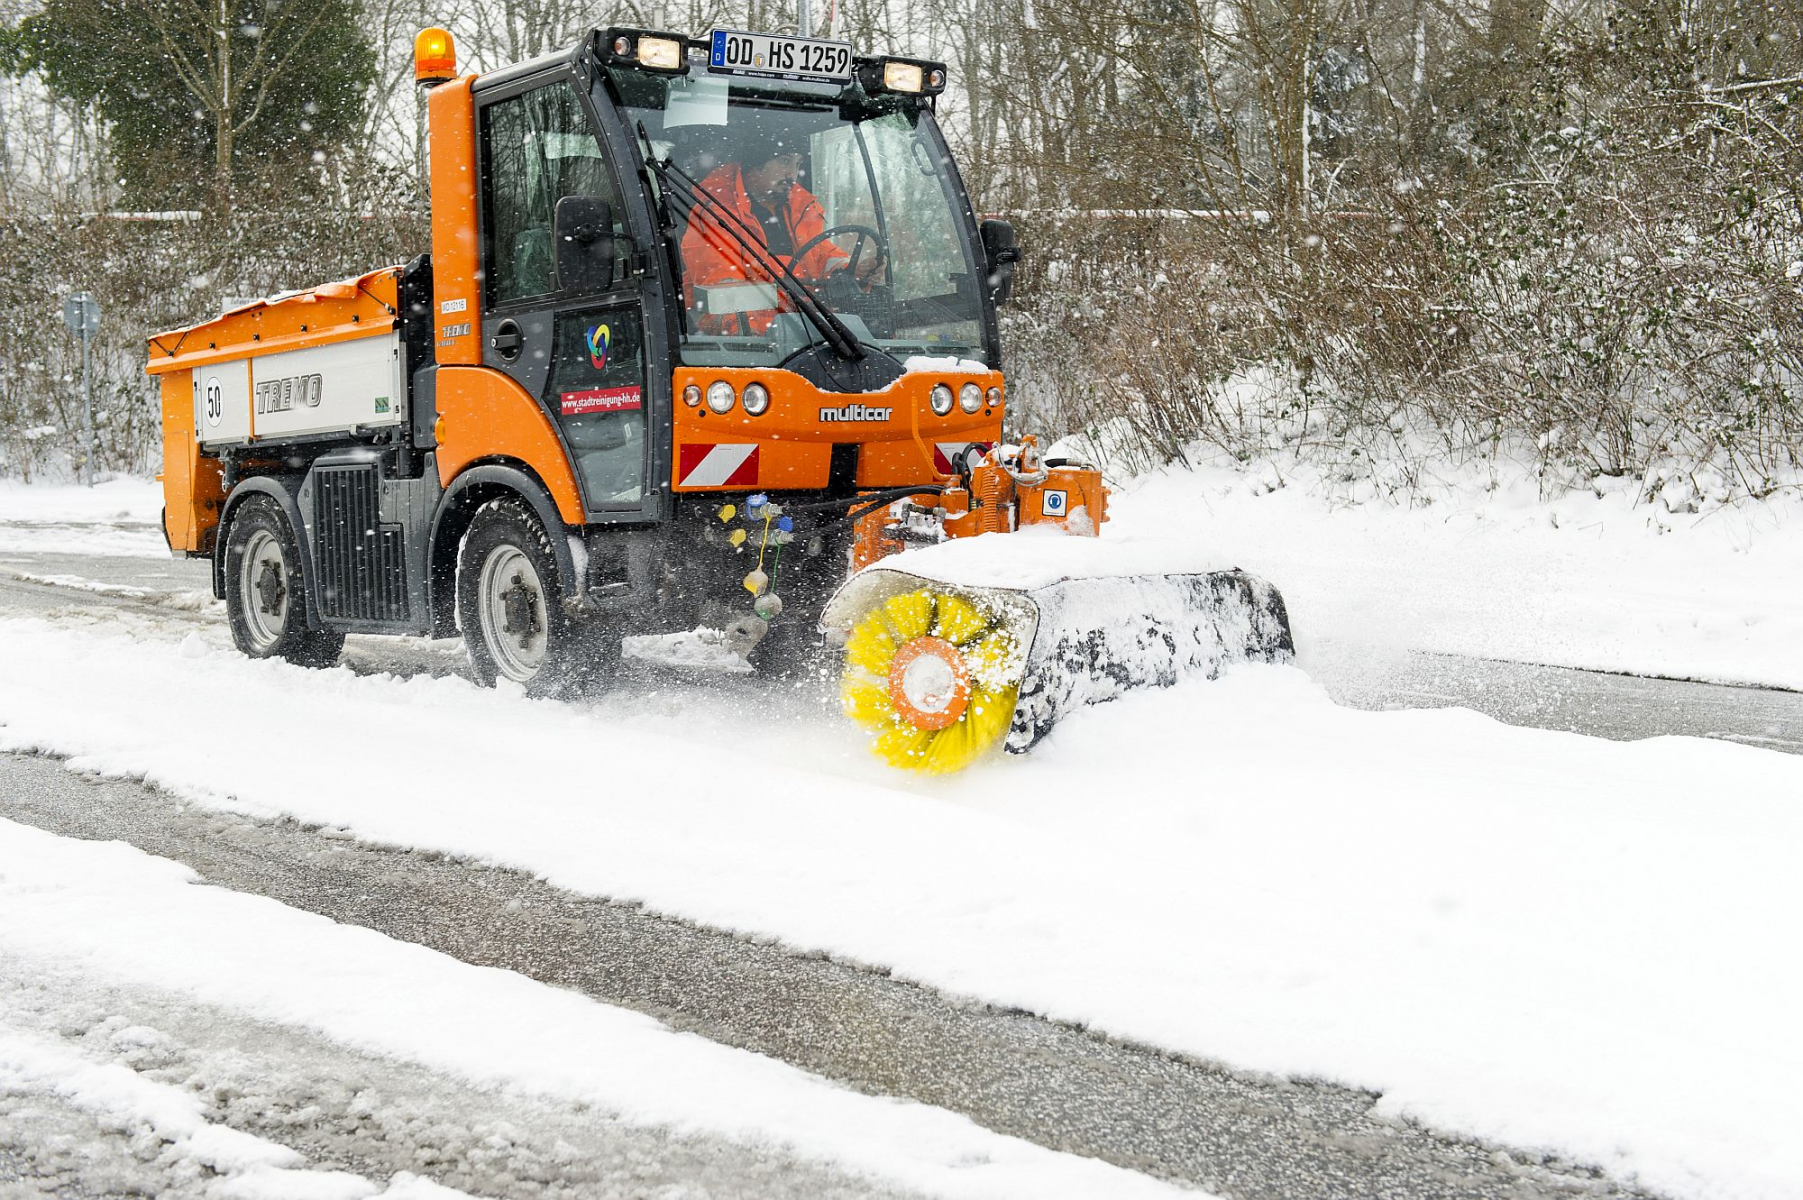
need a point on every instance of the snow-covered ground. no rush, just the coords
(1542, 938)
(236, 1165)
(1478, 564)
(1539, 937)
(122, 517)
(130, 918)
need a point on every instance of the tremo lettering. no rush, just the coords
(855, 412)
(294, 391)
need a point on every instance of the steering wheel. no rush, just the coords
(865, 234)
(841, 289)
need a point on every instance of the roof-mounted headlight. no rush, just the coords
(660, 53)
(647, 49)
(903, 76)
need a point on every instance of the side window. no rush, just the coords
(597, 386)
(540, 148)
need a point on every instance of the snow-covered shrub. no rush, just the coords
(1627, 300)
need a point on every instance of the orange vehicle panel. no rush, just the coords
(456, 277)
(1076, 488)
(483, 414)
(331, 312)
(790, 445)
(193, 487)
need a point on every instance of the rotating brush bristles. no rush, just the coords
(934, 676)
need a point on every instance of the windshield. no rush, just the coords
(853, 195)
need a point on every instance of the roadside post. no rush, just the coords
(81, 313)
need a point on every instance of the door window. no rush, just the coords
(598, 393)
(541, 148)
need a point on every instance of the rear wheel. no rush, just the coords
(265, 592)
(511, 610)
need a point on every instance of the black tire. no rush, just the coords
(265, 591)
(510, 608)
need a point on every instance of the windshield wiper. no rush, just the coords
(681, 186)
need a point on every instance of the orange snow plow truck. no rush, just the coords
(707, 334)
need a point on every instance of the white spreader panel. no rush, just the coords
(222, 402)
(335, 388)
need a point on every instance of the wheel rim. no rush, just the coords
(511, 600)
(263, 585)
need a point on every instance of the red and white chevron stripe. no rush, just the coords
(723, 465)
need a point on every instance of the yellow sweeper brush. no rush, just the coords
(934, 676)
(940, 672)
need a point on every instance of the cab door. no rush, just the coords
(578, 348)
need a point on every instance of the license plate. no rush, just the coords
(779, 57)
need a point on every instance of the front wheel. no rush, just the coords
(265, 592)
(512, 615)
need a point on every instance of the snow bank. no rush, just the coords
(1538, 937)
(1478, 564)
(1035, 558)
(118, 518)
(136, 918)
(124, 499)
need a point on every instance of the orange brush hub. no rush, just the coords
(929, 683)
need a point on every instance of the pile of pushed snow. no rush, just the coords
(1477, 562)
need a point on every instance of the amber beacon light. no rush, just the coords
(434, 57)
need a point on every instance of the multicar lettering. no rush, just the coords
(855, 412)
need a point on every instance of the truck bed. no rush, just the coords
(330, 360)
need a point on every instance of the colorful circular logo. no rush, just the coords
(600, 337)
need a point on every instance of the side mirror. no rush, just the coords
(582, 229)
(1001, 253)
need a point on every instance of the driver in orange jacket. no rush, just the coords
(761, 189)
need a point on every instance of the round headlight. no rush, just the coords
(970, 397)
(691, 395)
(623, 46)
(995, 396)
(940, 398)
(720, 396)
(756, 399)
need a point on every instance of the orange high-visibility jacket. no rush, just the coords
(710, 256)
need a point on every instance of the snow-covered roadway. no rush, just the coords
(88, 923)
(1044, 1081)
(1529, 936)
(109, 1090)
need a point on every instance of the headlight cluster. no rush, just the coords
(721, 396)
(969, 397)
